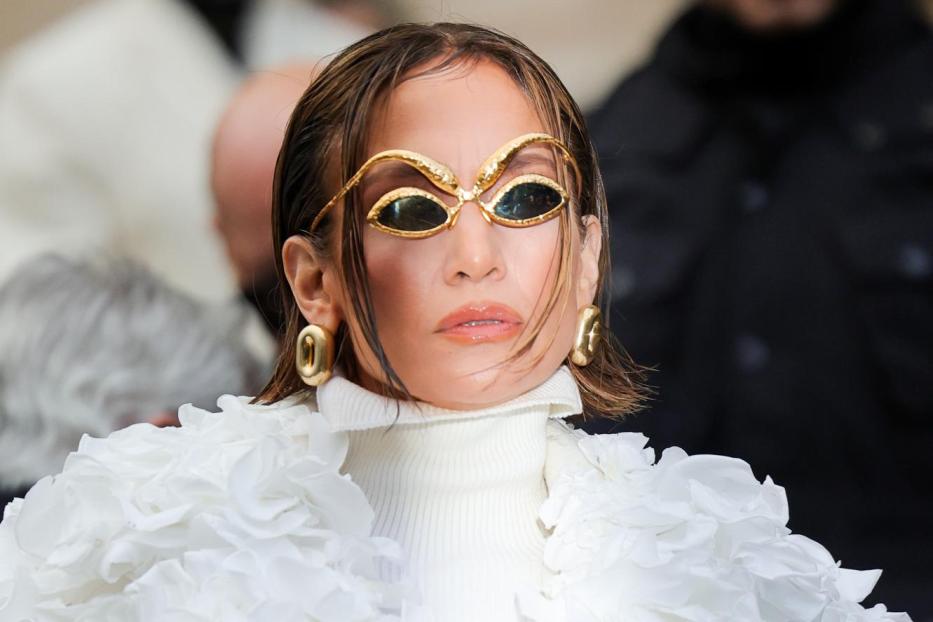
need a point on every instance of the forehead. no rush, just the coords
(459, 116)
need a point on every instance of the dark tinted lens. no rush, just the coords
(527, 200)
(412, 213)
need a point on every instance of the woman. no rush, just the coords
(441, 227)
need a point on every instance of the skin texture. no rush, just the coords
(777, 15)
(165, 419)
(246, 145)
(458, 117)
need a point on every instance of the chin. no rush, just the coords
(480, 386)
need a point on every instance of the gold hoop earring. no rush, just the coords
(314, 355)
(589, 331)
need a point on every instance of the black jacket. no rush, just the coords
(771, 204)
(8, 493)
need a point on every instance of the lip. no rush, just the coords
(480, 322)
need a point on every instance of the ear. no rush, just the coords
(314, 285)
(588, 281)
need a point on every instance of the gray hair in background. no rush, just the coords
(93, 346)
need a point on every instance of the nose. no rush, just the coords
(474, 248)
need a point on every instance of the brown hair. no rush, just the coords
(326, 139)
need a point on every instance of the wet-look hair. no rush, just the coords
(326, 142)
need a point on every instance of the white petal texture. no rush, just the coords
(240, 515)
(244, 516)
(686, 539)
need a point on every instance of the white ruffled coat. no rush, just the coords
(243, 515)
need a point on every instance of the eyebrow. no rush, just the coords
(529, 157)
(400, 172)
(392, 170)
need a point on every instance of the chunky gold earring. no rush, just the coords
(589, 330)
(314, 355)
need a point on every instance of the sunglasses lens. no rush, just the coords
(527, 200)
(412, 213)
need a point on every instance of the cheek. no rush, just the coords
(396, 276)
(541, 270)
(401, 278)
(532, 256)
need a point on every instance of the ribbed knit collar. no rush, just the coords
(460, 490)
(348, 406)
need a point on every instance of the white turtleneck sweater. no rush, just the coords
(459, 490)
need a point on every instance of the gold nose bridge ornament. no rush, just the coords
(465, 196)
(443, 178)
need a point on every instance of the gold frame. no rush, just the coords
(453, 211)
(443, 178)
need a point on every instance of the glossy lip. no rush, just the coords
(480, 322)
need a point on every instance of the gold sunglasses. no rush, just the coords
(524, 201)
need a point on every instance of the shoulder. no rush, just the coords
(205, 517)
(697, 537)
(211, 442)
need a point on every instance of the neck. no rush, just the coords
(459, 490)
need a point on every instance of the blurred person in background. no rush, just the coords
(106, 119)
(245, 147)
(770, 179)
(88, 347)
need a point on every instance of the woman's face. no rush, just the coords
(451, 308)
